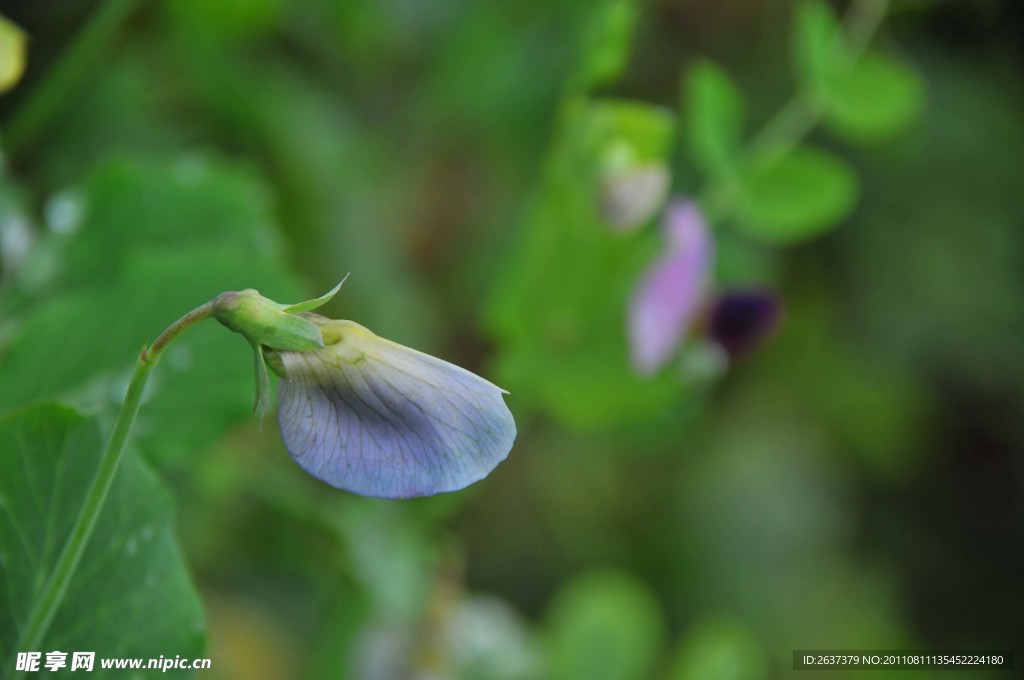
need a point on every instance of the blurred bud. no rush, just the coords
(373, 417)
(672, 289)
(489, 639)
(702, 362)
(12, 54)
(741, 321)
(630, 197)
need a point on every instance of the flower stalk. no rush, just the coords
(49, 601)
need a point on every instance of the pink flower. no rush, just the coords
(672, 290)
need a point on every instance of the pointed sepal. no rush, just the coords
(259, 408)
(309, 305)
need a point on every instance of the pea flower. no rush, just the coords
(671, 292)
(674, 297)
(366, 414)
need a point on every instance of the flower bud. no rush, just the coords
(269, 325)
(265, 322)
(630, 197)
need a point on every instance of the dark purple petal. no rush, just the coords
(672, 289)
(741, 321)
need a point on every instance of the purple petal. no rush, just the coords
(740, 321)
(671, 290)
(373, 417)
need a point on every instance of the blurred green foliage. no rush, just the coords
(559, 303)
(604, 626)
(123, 241)
(856, 484)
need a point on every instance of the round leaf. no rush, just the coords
(876, 98)
(609, 40)
(793, 197)
(713, 114)
(817, 43)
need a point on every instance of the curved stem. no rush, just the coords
(861, 23)
(804, 110)
(152, 355)
(50, 599)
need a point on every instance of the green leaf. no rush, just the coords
(309, 305)
(133, 204)
(621, 133)
(259, 408)
(609, 40)
(874, 99)
(157, 239)
(229, 21)
(719, 649)
(794, 196)
(48, 457)
(713, 118)
(864, 99)
(604, 625)
(818, 44)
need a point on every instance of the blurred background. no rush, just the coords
(857, 482)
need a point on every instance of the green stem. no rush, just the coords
(50, 599)
(802, 113)
(861, 23)
(794, 121)
(804, 110)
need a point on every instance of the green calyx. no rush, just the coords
(329, 331)
(269, 325)
(265, 322)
